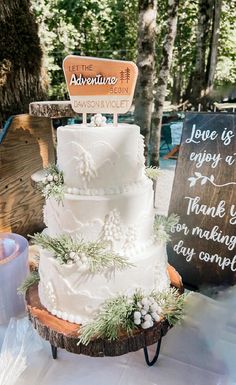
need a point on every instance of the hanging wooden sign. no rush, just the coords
(202, 248)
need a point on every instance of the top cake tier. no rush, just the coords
(100, 158)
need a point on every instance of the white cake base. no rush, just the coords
(77, 296)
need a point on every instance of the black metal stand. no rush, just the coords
(145, 349)
(54, 352)
(154, 360)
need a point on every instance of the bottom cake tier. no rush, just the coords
(77, 296)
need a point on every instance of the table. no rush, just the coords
(199, 351)
(225, 106)
(176, 132)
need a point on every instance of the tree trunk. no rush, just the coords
(163, 80)
(202, 39)
(177, 84)
(212, 58)
(146, 65)
(20, 58)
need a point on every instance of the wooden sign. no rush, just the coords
(202, 246)
(100, 85)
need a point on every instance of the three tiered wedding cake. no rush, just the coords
(107, 200)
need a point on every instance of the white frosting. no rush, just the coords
(100, 157)
(86, 215)
(76, 296)
(108, 198)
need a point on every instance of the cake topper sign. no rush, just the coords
(100, 85)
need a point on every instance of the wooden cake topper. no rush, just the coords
(100, 85)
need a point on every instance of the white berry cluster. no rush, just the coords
(112, 227)
(79, 258)
(98, 120)
(53, 183)
(53, 177)
(50, 179)
(148, 312)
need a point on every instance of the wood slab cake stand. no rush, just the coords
(63, 334)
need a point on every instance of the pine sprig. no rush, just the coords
(118, 314)
(114, 317)
(100, 257)
(163, 226)
(152, 172)
(172, 304)
(96, 256)
(30, 280)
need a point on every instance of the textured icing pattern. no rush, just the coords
(79, 295)
(140, 157)
(131, 187)
(86, 167)
(112, 228)
(109, 218)
(113, 155)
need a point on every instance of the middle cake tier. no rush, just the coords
(125, 220)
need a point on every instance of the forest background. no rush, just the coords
(185, 51)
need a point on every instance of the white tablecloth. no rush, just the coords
(199, 351)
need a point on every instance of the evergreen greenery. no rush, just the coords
(163, 226)
(96, 256)
(30, 280)
(171, 303)
(117, 315)
(152, 172)
(108, 28)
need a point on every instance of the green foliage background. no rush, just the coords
(108, 28)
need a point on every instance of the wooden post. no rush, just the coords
(85, 118)
(115, 119)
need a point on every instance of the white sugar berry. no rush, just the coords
(69, 262)
(156, 317)
(49, 178)
(137, 321)
(159, 310)
(139, 305)
(145, 301)
(143, 312)
(137, 314)
(151, 300)
(55, 178)
(154, 307)
(146, 307)
(148, 317)
(146, 324)
(72, 255)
